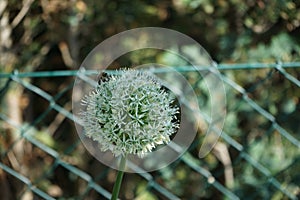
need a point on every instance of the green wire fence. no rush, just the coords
(262, 141)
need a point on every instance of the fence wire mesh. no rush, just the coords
(257, 156)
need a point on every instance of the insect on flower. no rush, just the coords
(130, 113)
(103, 77)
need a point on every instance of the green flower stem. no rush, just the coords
(118, 182)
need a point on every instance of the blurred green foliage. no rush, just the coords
(231, 31)
(57, 35)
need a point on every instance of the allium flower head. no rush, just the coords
(130, 113)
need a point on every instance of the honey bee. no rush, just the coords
(103, 77)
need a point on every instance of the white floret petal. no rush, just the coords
(129, 114)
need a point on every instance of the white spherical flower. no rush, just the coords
(130, 113)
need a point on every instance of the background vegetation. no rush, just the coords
(48, 35)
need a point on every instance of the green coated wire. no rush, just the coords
(26, 181)
(187, 159)
(241, 66)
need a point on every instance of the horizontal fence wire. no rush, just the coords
(195, 164)
(41, 74)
